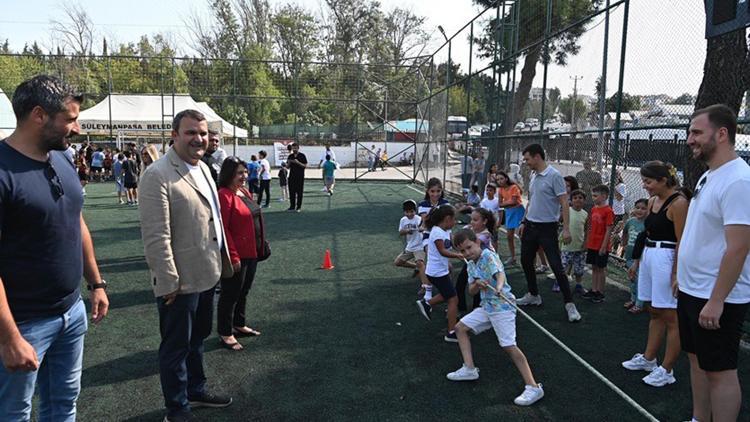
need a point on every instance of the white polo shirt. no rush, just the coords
(719, 202)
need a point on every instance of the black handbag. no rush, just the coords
(264, 248)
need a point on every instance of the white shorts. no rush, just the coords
(655, 278)
(504, 324)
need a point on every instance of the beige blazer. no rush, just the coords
(179, 238)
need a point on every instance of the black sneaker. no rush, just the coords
(598, 298)
(210, 400)
(588, 294)
(184, 417)
(425, 309)
(451, 337)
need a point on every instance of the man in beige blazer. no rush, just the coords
(185, 250)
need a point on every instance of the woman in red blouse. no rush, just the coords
(243, 225)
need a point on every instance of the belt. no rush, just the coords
(663, 244)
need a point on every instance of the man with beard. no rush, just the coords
(297, 163)
(215, 155)
(185, 248)
(713, 272)
(45, 250)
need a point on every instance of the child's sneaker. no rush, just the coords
(639, 363)
(555, 287)
(573, 315)
(464, 374)
(425, 309)
(531, 394)
(529, 299)
(541, 269)
(597, 298)
(451, 337)
(510, 262)
(588, 294)
(551, 276)
(659, 377)
(579, 290)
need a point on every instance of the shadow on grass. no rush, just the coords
(119, 300)
(122, 265)
(134, 366)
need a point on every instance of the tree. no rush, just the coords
(296, 38)
(77, 32)
(554, 100)
(567, 110)
(726, 77)
(629, 103)
(684, 99)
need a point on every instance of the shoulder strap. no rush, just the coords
(669, 201)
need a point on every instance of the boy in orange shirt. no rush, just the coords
(601, 220)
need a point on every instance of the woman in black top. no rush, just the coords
(657, 271)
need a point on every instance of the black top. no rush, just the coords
(282, 176)
(130, 171)
(658, 226)
(41, 263)
(296, 171)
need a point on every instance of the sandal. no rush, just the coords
(241, 333)
(629, 304)
(235, 347)
(635, 310)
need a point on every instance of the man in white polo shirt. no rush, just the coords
(713, 272)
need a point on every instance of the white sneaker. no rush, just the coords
(639, 363)
(573, 315)
(659, 377)
(464, 374)
(531, 394)
(529, 299)
(551, 276)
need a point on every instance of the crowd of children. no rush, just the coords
(431, 245)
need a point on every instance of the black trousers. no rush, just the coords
(296, 187)
(544, 235)
(233, 298)
(183, 324)
(265, 186)
(461, 282)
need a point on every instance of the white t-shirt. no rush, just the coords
(492, 205)
(266, 166)
(328, 152)
(719, 202)
(619, 206)
(413, 239)
(437, 265)
(205, 188)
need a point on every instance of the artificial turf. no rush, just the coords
(349, 344)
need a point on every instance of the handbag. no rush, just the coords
(263, 247)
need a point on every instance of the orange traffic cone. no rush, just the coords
(327, 264)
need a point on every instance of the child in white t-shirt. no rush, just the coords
(413, 255)
(487, 277)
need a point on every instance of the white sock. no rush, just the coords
(427, 292)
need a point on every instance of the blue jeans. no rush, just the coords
(184, 324)
(58, 342)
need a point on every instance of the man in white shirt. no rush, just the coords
(713, 272)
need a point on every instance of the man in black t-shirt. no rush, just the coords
(45, 250)
(297, 163)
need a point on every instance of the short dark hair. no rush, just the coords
(534, 149)
(491, 185)
(409, 205)
(643, 201)
(720, 115)
(463, 235)
(577, 192)
(601, 189)
(328, 157)
(228, 169)
(193, 114)
(573, 182)
(262, 153)
(48, 92)
(438, 214)
(253, 158)
(127, 154)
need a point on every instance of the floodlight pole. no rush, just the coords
(547, 28)
(603, 93)
(621, 80)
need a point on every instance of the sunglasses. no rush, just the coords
(701, 183)
(54, 181)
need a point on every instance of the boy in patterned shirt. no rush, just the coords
(485, 271)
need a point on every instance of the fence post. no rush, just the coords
(547, 29)
(603, 93)
(618, 121)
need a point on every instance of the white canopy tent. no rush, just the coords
(7, 117)
(142, 114)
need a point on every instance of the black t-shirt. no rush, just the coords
(295, 170)
(41, 259)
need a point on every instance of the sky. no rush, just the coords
(664, 54)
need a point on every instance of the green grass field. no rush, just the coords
(349, 344)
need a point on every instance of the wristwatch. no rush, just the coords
(100, 285)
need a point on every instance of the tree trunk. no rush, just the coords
(724, 82)
(512, 114)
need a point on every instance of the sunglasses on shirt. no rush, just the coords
(54, 181)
